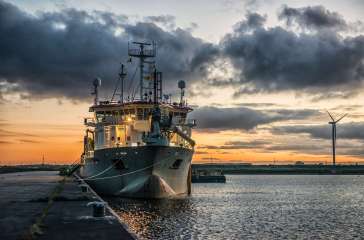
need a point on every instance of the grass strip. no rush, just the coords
(36, 228)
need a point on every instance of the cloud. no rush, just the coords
(210, 158)
(276, 59)
(57, 54)
(242, 118)
(166, 20)
(312, 17)
(353, 130)
(6, 133)
(28, 141)
(331, 95)
(258, 105)
(317, 146)
(355, 152)
(201, 152)
(252, 21)
(238, 145)
(348, 147)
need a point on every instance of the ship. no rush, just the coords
(208, 176)
(139, 146)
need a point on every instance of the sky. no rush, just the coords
(260, 74)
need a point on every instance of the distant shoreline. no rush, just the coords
(27, 168)
(312, 169)
(233, 169)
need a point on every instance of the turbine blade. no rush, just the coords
(330, 116)
(341, 117)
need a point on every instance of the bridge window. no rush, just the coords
(140, 113)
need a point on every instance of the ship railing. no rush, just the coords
(144, 53)
(89, 154)
(114, 122)
(90, 122)
(190, 123)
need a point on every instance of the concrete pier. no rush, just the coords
(43, 205)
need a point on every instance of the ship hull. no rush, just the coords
(139, 172)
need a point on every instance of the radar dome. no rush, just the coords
(181, 84)
(97, 82)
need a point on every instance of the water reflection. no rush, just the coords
(254, 207)
(150, 218)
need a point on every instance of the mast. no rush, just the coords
(145, 50)
(120, 81)
(122, 75)
(96, 83)
(155, 86)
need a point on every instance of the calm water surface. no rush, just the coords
(254, 207)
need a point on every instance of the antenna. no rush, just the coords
(122, 75)
(144, 51)
(155, 86)
(96, 83)
(333, 135)
(182, 86)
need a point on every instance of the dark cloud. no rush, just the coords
(295, 147)
(317, 146)
(203, 56)
(57, 54)
(357, 152)
(252, 21)
(242, 118)
(277, 59)
(353, 130)
(314, 17)
(308, 146)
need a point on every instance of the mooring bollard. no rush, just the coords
(84, 188)
(98, 209)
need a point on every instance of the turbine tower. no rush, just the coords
(333, 124)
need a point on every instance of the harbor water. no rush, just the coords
(254, 207)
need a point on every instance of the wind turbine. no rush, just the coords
(333, 124)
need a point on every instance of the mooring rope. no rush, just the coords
(121, 175)
(98, 174)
